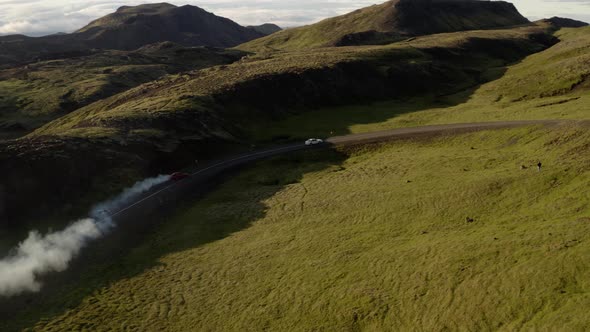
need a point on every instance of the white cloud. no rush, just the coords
(38, 17)
(537, 9)
(16, 27)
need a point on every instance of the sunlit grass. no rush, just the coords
(449, 232)
(552, 84)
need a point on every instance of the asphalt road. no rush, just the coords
(201, 178)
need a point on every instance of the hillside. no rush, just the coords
(446, 233)
(552, 84)
(130, 28)
(37, 93)
(166, 122)
(394, 20)
(448, 63)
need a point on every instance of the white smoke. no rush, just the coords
(102, 212)
(38, 255)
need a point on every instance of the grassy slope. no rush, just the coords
(552, 84)
(378, 241)
(192, 91)
(184, 117)
(324, 33)
(33, 95)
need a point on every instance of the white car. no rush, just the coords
(314, 141)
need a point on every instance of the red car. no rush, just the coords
(179, 176)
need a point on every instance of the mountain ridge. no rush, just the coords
(266, 28)
(132, 27)
(392, 21)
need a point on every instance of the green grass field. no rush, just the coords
(37, 93)
(447, 233)
(552, 84)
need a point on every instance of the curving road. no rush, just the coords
(201, 179)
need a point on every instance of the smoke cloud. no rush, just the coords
(39, 255)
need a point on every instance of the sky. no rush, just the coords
(42, 17)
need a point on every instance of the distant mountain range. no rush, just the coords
(565, 22)
(130, 28)
(266, 29)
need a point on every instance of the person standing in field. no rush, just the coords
(539, 165)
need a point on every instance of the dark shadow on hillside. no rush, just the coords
(108, 260)
(414, 73)
(337, 120)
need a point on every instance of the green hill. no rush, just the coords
(195, 112)
(37, 93)
(552, 84)
(558, 71)
(446, 233)
(394, 20)
(271, 87)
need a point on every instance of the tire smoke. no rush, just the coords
(42, 254)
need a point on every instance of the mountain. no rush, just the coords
(395, 20)
(267, 29)
(130, 28)
(562, 22)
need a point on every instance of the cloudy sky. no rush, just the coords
(41, 17)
